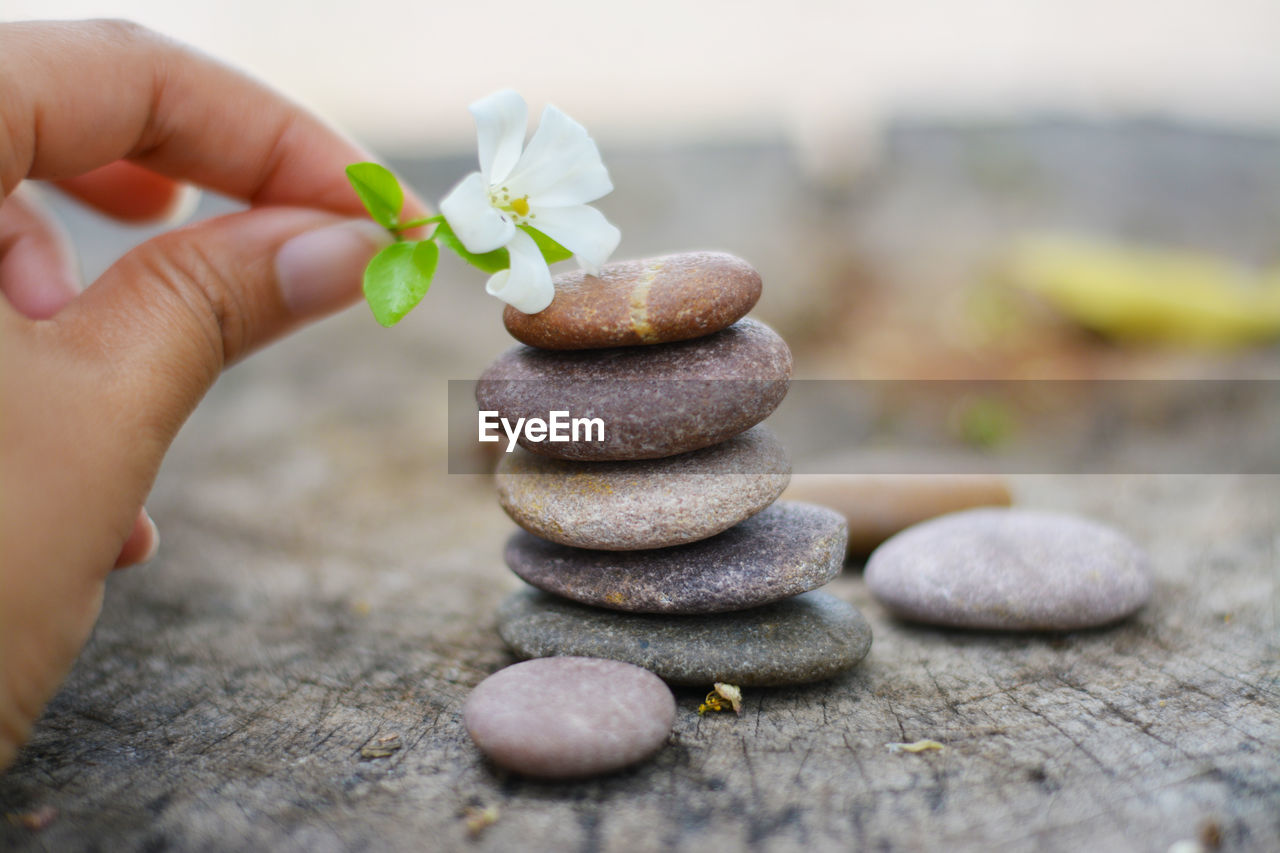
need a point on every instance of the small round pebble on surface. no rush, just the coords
(629, 303)
(784, 550)
(627, 506)
(876, 506)
(654, 401)
(568, 717)
(811, 637)
(1010, 569)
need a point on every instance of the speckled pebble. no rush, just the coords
(568, 717)
(653, 301)
(627, 506)
(654, 401)
(807, 638)
(1012, 569)
(784, 550)
(876, 506)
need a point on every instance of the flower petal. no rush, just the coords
(580, 229)
(526, 285)
(580, 186)
(501, 120)
(478, 224)
(560, 147)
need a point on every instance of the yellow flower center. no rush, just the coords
(502, 200)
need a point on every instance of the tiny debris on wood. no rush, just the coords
(382, 747)
(478, 819)
(34, 820)
(722, 698)
(918, 746)
(1211, 834)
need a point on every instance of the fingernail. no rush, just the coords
(321, 270)
(155, 538)
(183, 205)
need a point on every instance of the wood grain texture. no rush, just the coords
(231, 685)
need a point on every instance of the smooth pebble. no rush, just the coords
(627, 506)
(810, 637)
(568, 717)
(654, 401)
(653, 301)
(876, 506)
(784, 550)
(1010, 569)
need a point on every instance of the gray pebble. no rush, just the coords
(1012, 569)
(654, 401)
(810, 637)
(566, 717)
(627, 506)
(784, 550)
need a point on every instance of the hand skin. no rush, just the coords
(95, 385)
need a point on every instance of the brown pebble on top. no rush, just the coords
(652, 301)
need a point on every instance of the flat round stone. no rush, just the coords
(876, 506)
(654, 401)
(781, 551)
(566, 717)
(627, 506)
(1011, 569)
(811, 637)
(654, 301)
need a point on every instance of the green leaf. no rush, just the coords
(425, 257)
(398, 277)
(379, 191)
(490, 262)
(552, 252)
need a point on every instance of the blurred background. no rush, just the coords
(816, 72)
(992, 189)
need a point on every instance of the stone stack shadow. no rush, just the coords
(660, 542)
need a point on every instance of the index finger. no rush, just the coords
(76, 96)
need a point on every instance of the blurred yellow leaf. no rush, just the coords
(1144, 294)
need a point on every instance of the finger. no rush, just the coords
(142, 544)
(38, 270)
(168, 109)
(131, 193)
(170, 314)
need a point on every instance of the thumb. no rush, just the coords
(95, 394)
(172, 313)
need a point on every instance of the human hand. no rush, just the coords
(95, 385)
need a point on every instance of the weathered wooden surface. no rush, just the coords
(324, 584)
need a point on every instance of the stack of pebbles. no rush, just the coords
(661, 544)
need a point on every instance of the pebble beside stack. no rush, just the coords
(662, 546)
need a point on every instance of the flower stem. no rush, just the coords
(418, 223)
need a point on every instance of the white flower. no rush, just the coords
(546, 187)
